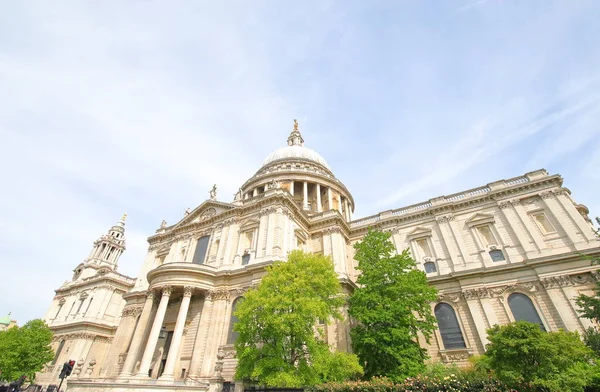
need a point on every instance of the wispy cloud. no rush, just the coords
(140, 107)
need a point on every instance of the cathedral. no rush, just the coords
(513, 249)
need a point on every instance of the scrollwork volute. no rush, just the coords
(167, 291)
(188, 291)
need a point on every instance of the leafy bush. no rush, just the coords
(464, 381)
(524, 356)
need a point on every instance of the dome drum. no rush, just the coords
(305, 175)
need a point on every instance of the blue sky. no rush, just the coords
(140, 106)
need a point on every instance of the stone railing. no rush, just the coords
(413, 208)
(516, 181)
(475, 192)
(470, 193)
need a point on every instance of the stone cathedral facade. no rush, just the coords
(509, 250)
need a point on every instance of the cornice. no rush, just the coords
(103, 281)
(526, 265)
(273, 199)
(263, 175)
(492, 197)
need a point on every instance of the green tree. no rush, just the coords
(391, 305)
(25, 350)
(278, 343)
(589, 307)
(527, 358)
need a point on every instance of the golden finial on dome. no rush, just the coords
(295, 125)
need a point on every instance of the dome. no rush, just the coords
(295, 151)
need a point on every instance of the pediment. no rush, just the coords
(163, 250)
(419, 232)
(480, 218)
(204, 211)
(249, 224)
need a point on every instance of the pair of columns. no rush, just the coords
(152, 341)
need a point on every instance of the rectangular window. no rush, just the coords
(201, 247)
(424, 249)
(486, 235)
(247, 237)
(543, 223)
(245, 259)
(58, 311)
(80, 305)
(88, 306)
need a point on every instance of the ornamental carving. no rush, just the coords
(274, 184)
(515, 202)
(455, 356)
(219, 294)
(167, 290)
(150, 294)
(90, 369)
(498, 291)
(132, 311)
(449, 297)
(188, 291)
(559, 191)
(504, 204)
(445, 218)
(546, 195)
(208, 214)
(237, 292)
(569, 280)
(267, 211)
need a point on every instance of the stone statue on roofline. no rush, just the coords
(213, 192)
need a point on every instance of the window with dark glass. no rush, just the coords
(430, 267)
(58, 350)
(452, 336)
(497, 255)
(246, 259)
(233, 335)
(201, 247)
(523, 309)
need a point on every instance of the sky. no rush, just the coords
(139, 107)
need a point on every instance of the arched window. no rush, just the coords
(449, 327)
(58, 350)
(233, 335)
(497, 255)
(523, 310)
(430, 267)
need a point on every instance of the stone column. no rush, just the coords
(138, 336)
(319, 206)
(305, 196)
(347, 208)
(292, 188)
(153, 337)
(201, 336)
(329, 199)
(255, 192)
(177, 335)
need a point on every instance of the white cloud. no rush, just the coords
(140, 107)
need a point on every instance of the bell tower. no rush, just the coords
(109, 247)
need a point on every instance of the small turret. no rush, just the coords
(108, 248)
(295, 138)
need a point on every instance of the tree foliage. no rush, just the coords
(589, 307)
(391, 306)
(527, 358)
(278, 343)
(25, 350)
